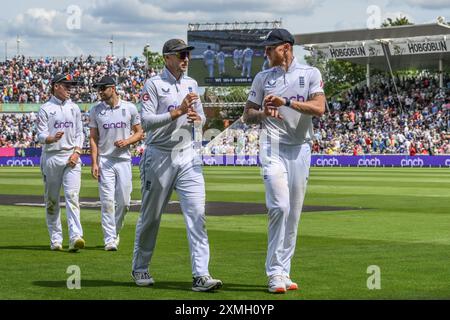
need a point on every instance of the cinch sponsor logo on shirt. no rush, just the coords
(298, 98)
(172, 107)
(115, 125)
(63, 124)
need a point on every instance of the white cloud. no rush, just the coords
(44, 30)
(429, 4)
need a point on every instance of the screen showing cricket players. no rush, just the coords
(226, 57)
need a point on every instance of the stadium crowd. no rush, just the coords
(360, 121)
(27, 80)
(369, 121)
(376, 121)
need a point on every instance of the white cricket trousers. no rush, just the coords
(115, 187)
(246, 68)
(210, 66)
(285, 178)
(160, 174)
(57, 173)
(221, 68)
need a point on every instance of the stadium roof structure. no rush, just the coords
(425, 46)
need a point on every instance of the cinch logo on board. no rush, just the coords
(447, 162)
(63, 124)
(298, 98)
(327, 162)
(117, 125)
(246, 162)
(209, 161)
(411, 163)
(19, 163)
(375, 162)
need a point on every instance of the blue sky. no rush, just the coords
(44, 31)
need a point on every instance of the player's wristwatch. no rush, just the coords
(288, 103)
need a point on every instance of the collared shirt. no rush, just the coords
(114, 124)
(298, 83)
(55, 116)
(160, 95)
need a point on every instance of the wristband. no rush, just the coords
(78, 151)
(288, 103)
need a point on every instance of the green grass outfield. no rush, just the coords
(405, 231)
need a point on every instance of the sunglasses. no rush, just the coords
(180, 55)
(103, 88)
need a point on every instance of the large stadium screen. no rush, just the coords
(226, 57)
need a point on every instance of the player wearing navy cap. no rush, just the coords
(115, 125)
(60, 131)
(289, 94)
(170, 104)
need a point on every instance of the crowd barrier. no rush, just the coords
(316, 161)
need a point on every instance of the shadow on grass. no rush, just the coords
(25, 247)
(160, 285)
(47, 248)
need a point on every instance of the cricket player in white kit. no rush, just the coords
(60, 131)
(111, 123)
(208, 60)
(221, 62)
(247, 62)
(170, 105)
(289, 94)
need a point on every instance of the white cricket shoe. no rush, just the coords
(205, 283)
(142, 279)
(111, 246)
(290, 285)
(76, 245)
(117, 241)
(277, 284)
(56, 246)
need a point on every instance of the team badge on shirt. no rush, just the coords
(145, 97)
(301, 81)
(271, 83)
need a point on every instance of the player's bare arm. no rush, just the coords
(315, 105)
(253, 114)
(94, 152)
(138, 135)
(188, 103)
(74, 157)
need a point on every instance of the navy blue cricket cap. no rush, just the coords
(176, 45)
(278, 36)
(64, 78)
(106, 81)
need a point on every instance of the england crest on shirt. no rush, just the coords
(301, 81)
